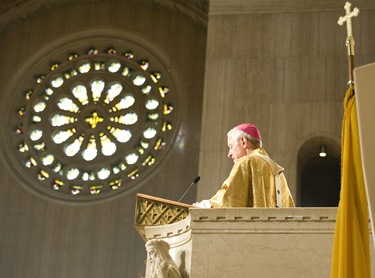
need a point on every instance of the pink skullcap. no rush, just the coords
(250, 129)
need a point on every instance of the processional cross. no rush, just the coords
(349, 39)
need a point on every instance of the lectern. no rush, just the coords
(152, 211)
(161, 219)
(240, 242)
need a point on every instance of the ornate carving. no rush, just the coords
(159, 262)
(151, 211)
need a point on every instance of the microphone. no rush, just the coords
(196, 180)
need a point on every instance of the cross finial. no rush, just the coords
(348, 19)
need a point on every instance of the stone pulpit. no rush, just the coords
(240, 242)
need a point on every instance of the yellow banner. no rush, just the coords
(351, 246)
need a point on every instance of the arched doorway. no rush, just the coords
(319, 176)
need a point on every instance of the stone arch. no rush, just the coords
(318, 178)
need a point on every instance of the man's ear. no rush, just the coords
(247, 144)
(243, 141)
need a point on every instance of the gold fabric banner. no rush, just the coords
(351, 247)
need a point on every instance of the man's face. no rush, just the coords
(153, 256)
(236, 149)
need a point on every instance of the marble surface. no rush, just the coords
(262, 242)
(252, 242)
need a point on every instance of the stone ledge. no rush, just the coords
(168, 231)
(264, 215)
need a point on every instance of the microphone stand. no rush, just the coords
(196, 180)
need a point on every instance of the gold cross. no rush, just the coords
(348, 19)
(94, 120)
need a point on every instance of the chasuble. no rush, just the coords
(255, 181)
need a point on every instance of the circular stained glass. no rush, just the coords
(93, 124)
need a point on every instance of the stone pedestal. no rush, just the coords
(251, 242)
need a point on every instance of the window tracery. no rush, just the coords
(95, 123)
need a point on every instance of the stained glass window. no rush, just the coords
(95, 123)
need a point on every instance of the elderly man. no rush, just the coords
(255, 179)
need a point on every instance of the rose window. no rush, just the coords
(95, 123)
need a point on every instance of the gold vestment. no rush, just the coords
(251, 183)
